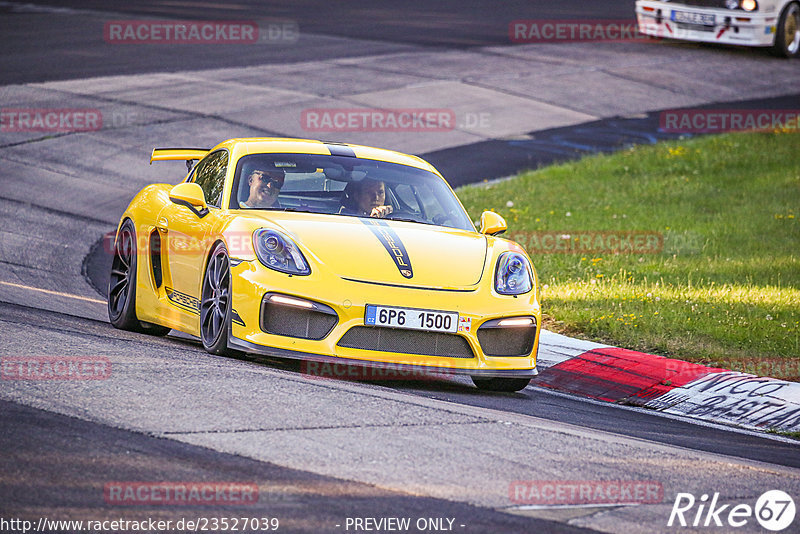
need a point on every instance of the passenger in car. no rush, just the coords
(367, 197)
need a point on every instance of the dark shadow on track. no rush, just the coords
(499, 158)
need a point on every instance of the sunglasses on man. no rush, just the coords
(269, 179)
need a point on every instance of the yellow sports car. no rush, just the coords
(330, 253)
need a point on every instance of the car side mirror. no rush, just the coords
(492, 223)
(191, 196)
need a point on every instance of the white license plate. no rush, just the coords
(410, 318)
(689, 17)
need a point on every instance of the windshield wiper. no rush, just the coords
(404, 219)
(298, 210)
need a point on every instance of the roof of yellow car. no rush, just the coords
(256, 145)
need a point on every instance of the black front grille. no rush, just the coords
(695, 27)
(406, 342)
(506, 341)
(702, 3)
(291, 321)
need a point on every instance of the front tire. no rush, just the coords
(122, 285)
(787, 37)
(506, 385)
(122, 281)
(215, 303)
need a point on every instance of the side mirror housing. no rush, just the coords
(191, 196)
(492, 223)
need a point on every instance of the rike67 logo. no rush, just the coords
(774, 510)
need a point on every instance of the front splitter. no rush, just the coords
(254, 348)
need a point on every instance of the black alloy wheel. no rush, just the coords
(122, 285)
(122, 281)
(215, 303)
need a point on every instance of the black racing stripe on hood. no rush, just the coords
(392, 243)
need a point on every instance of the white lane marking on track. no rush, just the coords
(50, 292)
(524, 507)
(16, 7)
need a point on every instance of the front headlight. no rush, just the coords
(513, 274)
(746, 5)
(749, 5)
(277, 251)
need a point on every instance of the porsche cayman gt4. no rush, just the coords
(330, 253)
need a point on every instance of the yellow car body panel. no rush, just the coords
(454, 270)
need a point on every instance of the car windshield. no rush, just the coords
(345, 186)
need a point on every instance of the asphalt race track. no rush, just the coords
(323, 452)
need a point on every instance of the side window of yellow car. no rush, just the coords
(210, 176)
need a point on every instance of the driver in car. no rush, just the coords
(366, 198)
(264, 187)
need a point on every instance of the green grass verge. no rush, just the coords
(723, 289)
(792, 435)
